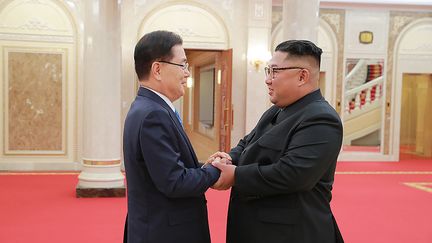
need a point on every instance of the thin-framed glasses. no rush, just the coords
(184, 67)
(270, 71)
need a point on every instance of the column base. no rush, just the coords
(100, 192)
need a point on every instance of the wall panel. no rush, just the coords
(35, 104)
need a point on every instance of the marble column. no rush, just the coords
(101, 175)
(300, 19)
(258, 54)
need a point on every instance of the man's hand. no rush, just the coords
(219, 154)
(224, 158)
(226, 178)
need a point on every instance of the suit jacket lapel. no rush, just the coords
(147, 93)
(183, 133)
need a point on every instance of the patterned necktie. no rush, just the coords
(178, 117)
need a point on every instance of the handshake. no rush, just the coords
(223, 162)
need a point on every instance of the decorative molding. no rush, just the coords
(200, 28)
(140, 3)
(41, 2)
(188, 32)
(417, 40)
(259, 11)
(333, 20)
(204, 45)
(276, 16)
(37, 38)
(35, 165)
(397, 22)
(425, 47)
(410, 58)
(228, 7)
(35, 17)
(35, 24)
(325, 42)
(101, 162)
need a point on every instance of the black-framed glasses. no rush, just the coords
(270, 71)
(184, 67)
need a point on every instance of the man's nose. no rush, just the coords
(188, 73)
(268, 80)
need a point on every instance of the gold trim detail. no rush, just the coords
(424, 186)
(94, 162)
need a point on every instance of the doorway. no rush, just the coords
(416, 117)
(206, 104)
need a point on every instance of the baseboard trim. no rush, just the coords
(100, 192)
(40, 166)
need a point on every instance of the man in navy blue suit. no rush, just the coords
(165, 182)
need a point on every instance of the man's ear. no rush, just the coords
(304, 77)
(155, 71)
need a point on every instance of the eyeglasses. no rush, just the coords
(184, 67)
(270, 71)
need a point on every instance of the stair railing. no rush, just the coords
(363, 95)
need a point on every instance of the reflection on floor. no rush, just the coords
(408, 152)
(203, 146)
(369, 149)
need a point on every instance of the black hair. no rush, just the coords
(154, 46)
(301, 48)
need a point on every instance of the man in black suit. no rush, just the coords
(282, 172)
(165, 183)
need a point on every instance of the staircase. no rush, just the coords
(363, 101)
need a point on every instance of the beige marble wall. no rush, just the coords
(398, 21)
(34, 112)
(336, 19)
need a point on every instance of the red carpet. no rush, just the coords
(43, 208)
(380, 208)
(370, 201)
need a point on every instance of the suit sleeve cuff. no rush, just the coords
(212, 171)
(244, 175)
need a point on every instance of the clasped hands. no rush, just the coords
(222, 161)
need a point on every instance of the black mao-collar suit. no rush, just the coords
(285, 174)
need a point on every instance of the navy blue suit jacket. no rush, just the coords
(165, 183)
